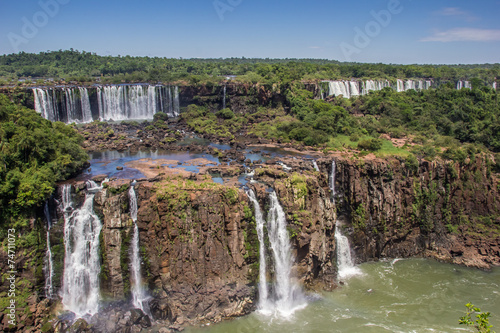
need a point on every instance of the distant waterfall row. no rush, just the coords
(119, 102)
(350, 89)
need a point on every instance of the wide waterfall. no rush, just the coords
(115, 102)
(80, 290)
(139, 295)
(285, 297)
(259, 220)
(345, 263)
(349, 89)
(49, 261)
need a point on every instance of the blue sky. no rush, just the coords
(407, 31)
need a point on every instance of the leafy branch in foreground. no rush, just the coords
(481, 324)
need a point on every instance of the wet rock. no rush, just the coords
(80, 326)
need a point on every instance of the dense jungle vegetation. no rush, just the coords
(85, 67)
(34, 154)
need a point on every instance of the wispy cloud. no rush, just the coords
(456, 12)
(464, 35)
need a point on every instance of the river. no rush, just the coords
(413, 295)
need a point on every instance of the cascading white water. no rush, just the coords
(80, 291)
(85, 104)
(46, 103)
(288, 297)
(116, 102)
(224, 98)
(463, 84)
(49, 261)
(315, 165)
(139, 295)
(345, 262)
(260, 222)
(285, 297)
(332, 181)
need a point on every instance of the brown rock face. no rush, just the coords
(194, 237)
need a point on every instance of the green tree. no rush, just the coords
(481, 323)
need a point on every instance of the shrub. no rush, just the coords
(370, 144)
(225, 114)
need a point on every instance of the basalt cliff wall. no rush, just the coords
(448, 211)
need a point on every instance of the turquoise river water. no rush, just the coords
(414, 295)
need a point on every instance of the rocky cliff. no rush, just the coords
(445, 210)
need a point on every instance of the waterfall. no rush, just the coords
(315, 165)
(46, 103)
(345, 263)
(176, 102)
(260, 222)
(400, 85)
(80, 292)
(332, 181)
(350, 89)
(494, 85)
(139, 296)
(85, 103)
(463, 84)
(115, 102)
(49, 262)
(285, 297)
(288, 297)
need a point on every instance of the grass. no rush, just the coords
(341, 142)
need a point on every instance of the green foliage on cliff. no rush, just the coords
(34, 154)
(466, 115)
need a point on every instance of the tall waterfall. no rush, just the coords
(332, 181)
(259, 220)
(285, 297)
(139, 295)
(80, 291)
(49, 261)
(345, 262)
(115, 102)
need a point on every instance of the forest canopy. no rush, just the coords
(34, 154)
(87, 67)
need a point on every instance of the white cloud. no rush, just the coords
(457, 12)
(464, 35)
